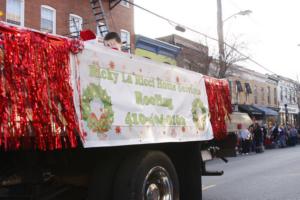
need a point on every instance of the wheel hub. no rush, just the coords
(158, 185)
(153, 192)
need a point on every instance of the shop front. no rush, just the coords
(271, 117)
(289, 114)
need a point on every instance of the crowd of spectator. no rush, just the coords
(258, 137)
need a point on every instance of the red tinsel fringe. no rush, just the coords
(36, 97)
(219, 100)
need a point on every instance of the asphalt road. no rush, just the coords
(272, 175)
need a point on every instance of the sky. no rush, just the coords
(270, 34)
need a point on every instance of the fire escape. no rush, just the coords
(100, 17)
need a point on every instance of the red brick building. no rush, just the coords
(58, 16)
(193, 56)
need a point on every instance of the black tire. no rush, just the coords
(187, 159)
(130, 178)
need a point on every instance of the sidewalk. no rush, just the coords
(267, 149)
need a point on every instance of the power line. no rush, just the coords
(170, 21)
(198, 32)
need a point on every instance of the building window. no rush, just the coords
(286, 94)
(233, 87)
(125, 38)
(15, 12)
(239, 86)
(48, 19)
(262, 90)
(275, 96)
(102, 29)
(281, 93)
(255, 95)
(187, 64)
(269, 95)
(230, 87)
(124, 3)
(248, 88)
(75, 25)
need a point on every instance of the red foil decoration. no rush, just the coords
(219, 100)
(36, 97)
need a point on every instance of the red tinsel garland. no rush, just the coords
(36, 97)
(219, 101)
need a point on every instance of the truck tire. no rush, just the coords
(147, 175)
(102, 177)
(188, 161)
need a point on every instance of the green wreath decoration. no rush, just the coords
(104, 122)
(199, 121)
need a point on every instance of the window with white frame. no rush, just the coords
(102, 29)
(48, 19)
(124, 3)
(125, 38)
(230, 87)
(269, 95)
(275, 96)
(15, 12)
(262, 95)
(281, 93)
(255, 95)
(75, 24)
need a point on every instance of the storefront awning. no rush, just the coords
(251, 110)
(238, 121)
(267, 111)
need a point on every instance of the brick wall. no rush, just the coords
(193, 60)
(193, 55)
(120, 17)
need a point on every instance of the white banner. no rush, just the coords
(121, 99)
(291, 109)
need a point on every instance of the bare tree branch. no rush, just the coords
(232, 56)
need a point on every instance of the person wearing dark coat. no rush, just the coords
(258, 138)
(275, 134)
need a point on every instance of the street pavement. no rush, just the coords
(272, 175)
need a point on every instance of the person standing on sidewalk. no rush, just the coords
(293, 136)
(258, 137)
(275, 135)
(251, 141)
(245, 139)
(264, 132)
(282, 137)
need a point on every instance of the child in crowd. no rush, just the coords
(113, 40)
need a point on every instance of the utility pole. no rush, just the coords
(220, 40)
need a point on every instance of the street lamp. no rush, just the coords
(180, 28)
(242, 12)
(220, 22)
